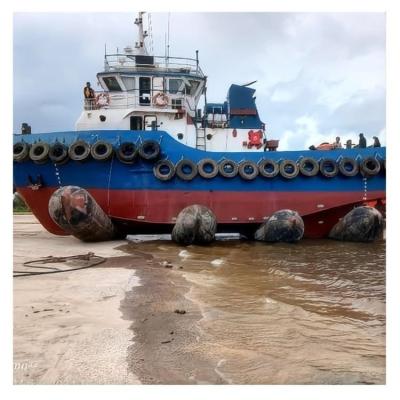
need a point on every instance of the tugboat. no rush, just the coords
(143, 151)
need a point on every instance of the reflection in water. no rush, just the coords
(313, 312)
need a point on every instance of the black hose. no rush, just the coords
(54, 270)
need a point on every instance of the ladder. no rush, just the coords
(201, 138)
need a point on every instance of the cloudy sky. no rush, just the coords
(318, 75)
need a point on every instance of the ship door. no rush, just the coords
(136, 123)
(144, 91)
(150, 123)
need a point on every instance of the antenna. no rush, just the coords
(150, 28)
(105, 56)
(169, 14)
(140, 45)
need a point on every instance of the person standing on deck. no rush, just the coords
(349, 144)
(88, 93)
(362, 144)
(377, 143)
(337, 144)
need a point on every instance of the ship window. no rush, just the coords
(150, 123)
(129, 82)
(136, 123)
(112, 84)
(174, 85)
(194, 87)
(144, 91)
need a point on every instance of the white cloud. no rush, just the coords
(329, 68)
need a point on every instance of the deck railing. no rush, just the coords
(129, 62)
(161, 99)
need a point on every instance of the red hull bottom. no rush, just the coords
(154, 211)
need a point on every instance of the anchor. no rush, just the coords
(35, 185)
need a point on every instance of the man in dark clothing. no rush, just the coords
(362, 144)
(88, 93)
(377, 143)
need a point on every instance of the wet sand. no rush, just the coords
(67, 326)
(235, 312)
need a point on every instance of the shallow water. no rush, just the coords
(312, 312)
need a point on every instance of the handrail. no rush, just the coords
(121, 61)
(132, 98)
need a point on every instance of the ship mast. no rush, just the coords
(140, 45)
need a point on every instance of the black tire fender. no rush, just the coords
(328, 167)
(265, 171)
(283, 169)
(180, 169)
(231, 166)
(39, 152)
(305, 164)
(370, 166)
(159, 167)
(101, 150)
(79, 150)
(248, 170)
(58, 153)
(149, 150)
(21, 151)
(346, 162)
(202, 166)
(127, 152)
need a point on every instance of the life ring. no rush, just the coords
(58, 153)
(308, 166)
(370, 166)
(248, 170)
(164, 170)
(288, 169)
(21, 151)
(127, 152)
(39, 152)
(255, 139)
(102, 99)
(228, 168)
(101, 150)
(268, 168)
(79, 150)
(328, 168)
(182, 167)
(348, 166)
(149, 150)
(160, 99)
(208, 168)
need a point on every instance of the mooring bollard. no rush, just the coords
(76, 211)
(362, 224)
(282, 226)
(195, 224)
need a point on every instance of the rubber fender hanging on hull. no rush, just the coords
(282, 226)
(195, 224)
(75, 211)
(362, 224)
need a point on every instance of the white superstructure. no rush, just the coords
(146, 92)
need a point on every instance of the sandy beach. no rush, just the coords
(235, 312)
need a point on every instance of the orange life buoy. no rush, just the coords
(102, 99)
(160, 99)
(325, 146)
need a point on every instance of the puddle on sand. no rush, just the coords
(313, 312)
